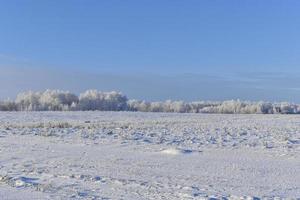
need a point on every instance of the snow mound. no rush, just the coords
(176, 151)
(25, 181)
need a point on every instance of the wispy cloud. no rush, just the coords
(273, 87)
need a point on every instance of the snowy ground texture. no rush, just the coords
(120, 155)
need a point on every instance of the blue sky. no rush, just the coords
(156, 50)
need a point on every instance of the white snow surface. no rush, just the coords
(128, 155)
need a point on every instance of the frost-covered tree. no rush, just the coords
(8, 105)
(175, 106)
(157, 106)
(287, 108)
(106, 101)
(28, 101)
(57, 100)
(48, 100)
(136, 105)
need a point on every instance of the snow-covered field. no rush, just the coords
(120, 155)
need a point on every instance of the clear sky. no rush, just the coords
(153, 49)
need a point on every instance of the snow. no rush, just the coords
(132, 155)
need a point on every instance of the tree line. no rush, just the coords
(92, 100)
